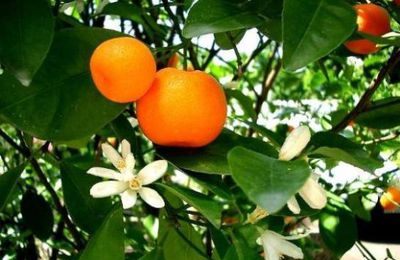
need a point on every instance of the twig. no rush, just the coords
(389, 137)
(366, 250)
(25, 151)
(188, 43)
(269, 81)
(238, 57)
(253, 55)
(364, 101)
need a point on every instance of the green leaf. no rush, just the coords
(179, 242)
(220, 241)
(8, 181)
(266, 181)
(124, 10)
(209, 16)
(155, 254)
(212, 158)
(26, 32)
(339, 148)
(245, 102)
(37, 215)
(228, 40)
(86, 212)
(338, 229)
(272, 28)
(62, 103)
(313, 28)
(354, 200)
(108, 241)
(381, 114)
(209, 208)
(242, 249)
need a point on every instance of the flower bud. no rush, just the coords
(295, 142)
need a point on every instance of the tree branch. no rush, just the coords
(366, 97)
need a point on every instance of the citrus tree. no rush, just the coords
(128, 131)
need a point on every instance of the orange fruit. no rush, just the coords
(371, 19)
(173, 60)
(182, 109)
(391, 194)
(122, 69)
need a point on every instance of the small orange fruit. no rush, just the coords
(371, 19)
(391, 194)
(182, 109)
(173, 60)
(122, 69)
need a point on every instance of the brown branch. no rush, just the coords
(366, 97)
(269, 81)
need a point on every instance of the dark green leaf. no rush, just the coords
(338, 229)
(108, 241)
(26, 32)
(382, 114)
(37, 215)
(8, 181)
(179, 242)
(354, 201)
(242, 249)
(62, 103)
(339, 148)
(228, 40)
(86, 212)
(209, 208)
(313, 28)
(268, 182)
(155, 254)
(272, 28)
(124, 10)
(212, 158)
(209, 16)
(220, 241)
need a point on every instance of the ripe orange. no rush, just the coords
(173, 60)
(371, 19)
(182, 108)
(392, 194)
(122, 69)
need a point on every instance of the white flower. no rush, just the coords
(295, 142)
(276, 245)
(312, 193)
(256, 215)
(126, 182)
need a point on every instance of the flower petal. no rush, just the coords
(293, 205)
(128, 199)
(112, 154)
(313, 194)
(129, 167)
(125, 148)
(108, 188)
(282, 246)
(153, 171)
(105, 173)
(151, 197)
(295, 142)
